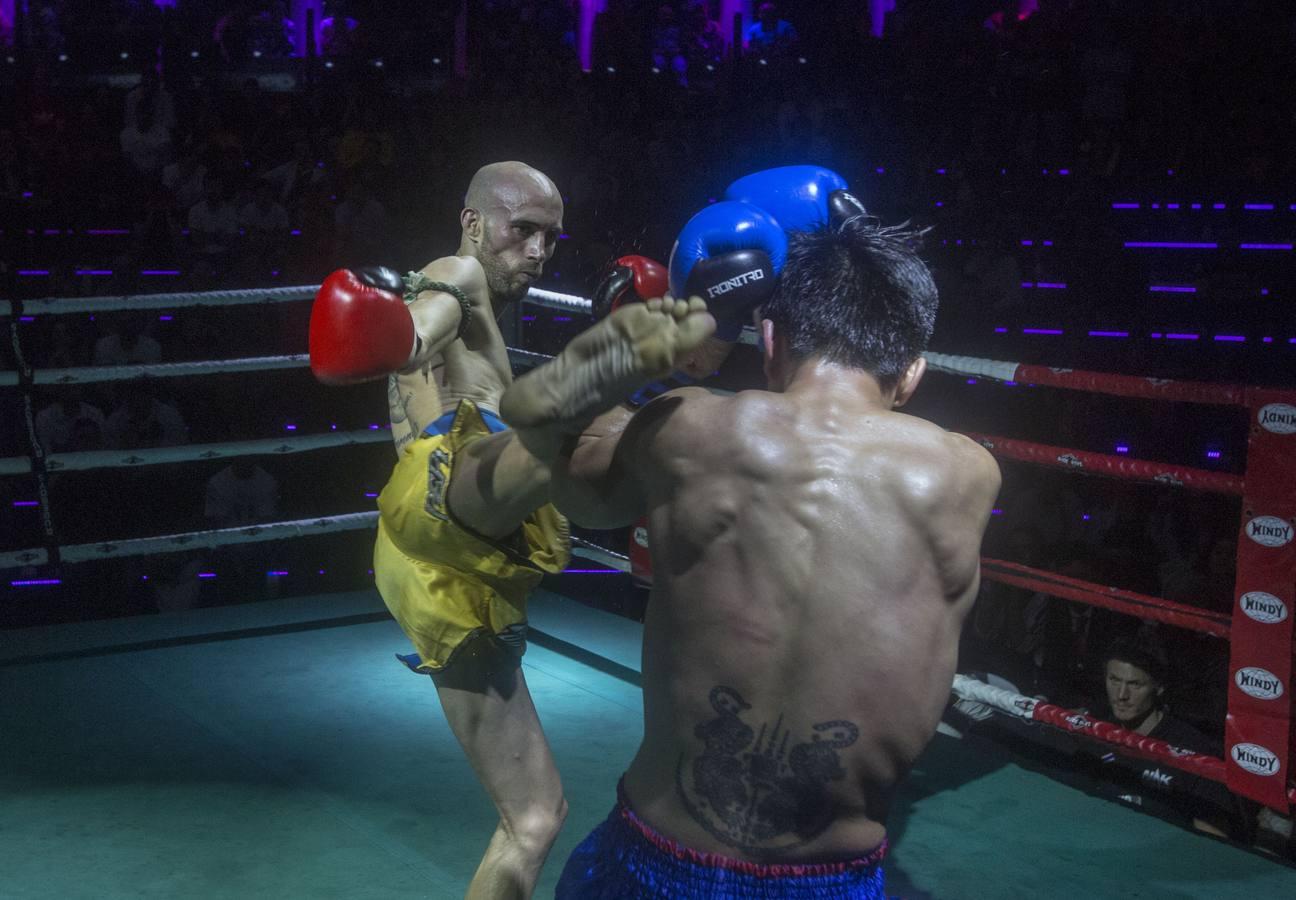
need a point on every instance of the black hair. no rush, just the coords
(857, 295)
(1141, 652)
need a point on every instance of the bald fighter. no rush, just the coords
(465, 530)
(815, 552)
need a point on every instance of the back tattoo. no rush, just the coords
(750, 790)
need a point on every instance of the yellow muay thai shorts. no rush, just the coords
(444, 583)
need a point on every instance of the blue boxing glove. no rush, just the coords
(729, 255)
(800, 198)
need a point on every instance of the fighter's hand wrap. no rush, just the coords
(800, 198)
(631, 279)
(360, 328)
(729, 255)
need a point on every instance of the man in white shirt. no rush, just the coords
(242, 493)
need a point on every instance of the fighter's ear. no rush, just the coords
(470, 220)
(909, 381)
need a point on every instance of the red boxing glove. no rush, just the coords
(632, 279)
(359, 328)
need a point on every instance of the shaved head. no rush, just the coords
(511, 221)
(499, 183)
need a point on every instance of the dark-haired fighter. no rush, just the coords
(815, 552)
(465, 531)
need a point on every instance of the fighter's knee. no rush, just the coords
(536, 828)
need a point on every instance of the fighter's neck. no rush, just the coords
(819, 381)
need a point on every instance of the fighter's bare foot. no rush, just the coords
(636, 344)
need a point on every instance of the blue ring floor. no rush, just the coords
(278, 750)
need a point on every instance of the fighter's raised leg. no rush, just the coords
(633, 346)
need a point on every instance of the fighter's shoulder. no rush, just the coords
(464, 271)
(942, 464)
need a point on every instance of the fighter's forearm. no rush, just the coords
(590, 482)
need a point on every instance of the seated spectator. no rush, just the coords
(1135, 671)
(360, 222)
(263, 218)
(213, 229)
(242, 493)
(56, 424)
(127, 343)
(150, 98)
(667, 44)
(769, 35)
(66, 348)
(146, 143)
(185, 178)
(294, 176)
(143, 420)
(265, 233)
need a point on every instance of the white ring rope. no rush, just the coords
(247, 534)
(54, 306)
(184, 453)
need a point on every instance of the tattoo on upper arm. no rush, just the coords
(752, 791)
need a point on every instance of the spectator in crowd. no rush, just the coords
(146, 143)
(264, 222)
(127, 342)
(142, 421)
(185, 179)
(1135, 672)
(56, 424)
(292, 177)
(242, 493)
(360, 221)
(150, 99)
(213, 229)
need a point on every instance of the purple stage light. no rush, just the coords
(940, 171)
(33, 273)
(1001, 331)
(528, 318)
(880, 170)
(1182, 337)
(94, 271)
(26, 318)
(1212, 454)
(1041, 331)
(1156, 205)
(1053, 285)
(1048, 243)
(1064, 171)
(1265, 246)
(1172, 289)
(969, 381)
(1125, 206)
(1115, 334)
(1157, 334)
(33, 582)
(1084, 517)
(1267, 340)
(1172, 206)
(1219, 206)
(373, 427)
(295, 232)
(592, 572)
(277, 572)
(206, 574)
(1264, 292)
(160, 272)
(1173, 245)
(1196, 206)
(165, 318)
(562, 318)
(1230, 337)
(27, 195)
(290, 427)
(1258, 206)
(1122, 448)
(99, 232)
(371, 494)
(1026, 243)
(26, 503)
(996, 512)
(1010, 384)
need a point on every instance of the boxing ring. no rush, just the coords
(274, 749)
